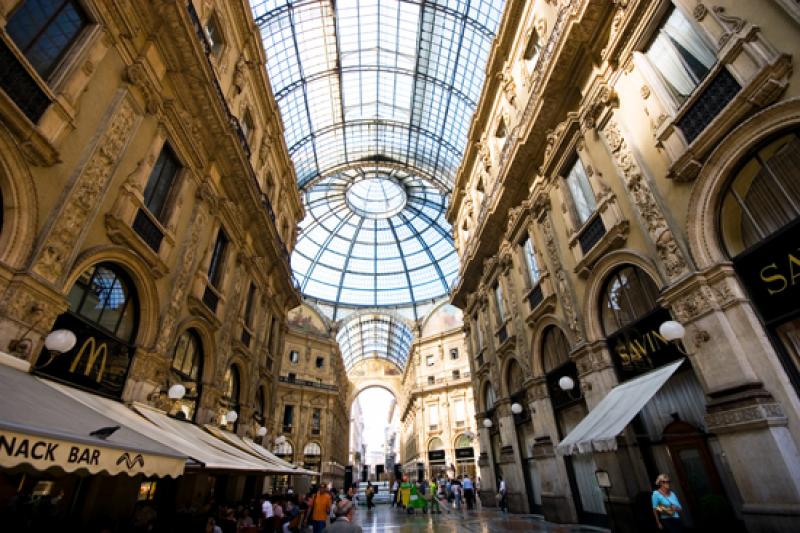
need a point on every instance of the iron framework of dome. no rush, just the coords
(376, 98)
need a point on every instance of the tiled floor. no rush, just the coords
(384, 518)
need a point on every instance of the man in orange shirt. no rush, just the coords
(321, 509)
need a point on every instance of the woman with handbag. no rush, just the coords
(666, 506)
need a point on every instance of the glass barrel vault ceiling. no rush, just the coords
(376, 98)
(370, 335)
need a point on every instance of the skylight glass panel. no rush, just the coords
(360, 81)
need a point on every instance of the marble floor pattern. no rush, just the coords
(385, 518)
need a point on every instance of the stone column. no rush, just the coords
(510, 461)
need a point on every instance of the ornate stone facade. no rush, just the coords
(139, 78)
(655, 165)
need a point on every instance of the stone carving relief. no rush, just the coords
(642, 197)
(732, 24)
(85, 197)
(180, 288)
(562, 284)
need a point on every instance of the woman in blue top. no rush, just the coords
(666, 506)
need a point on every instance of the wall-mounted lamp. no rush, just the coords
(176, 392)
(672, 330)
(280, 440)
(566, 383)
(487, 422)
(261, 431)
(516, 408)
(231, 417)
(56, 343)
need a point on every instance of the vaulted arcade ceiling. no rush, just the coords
(376, 98)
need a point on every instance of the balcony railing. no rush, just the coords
(591, 234)
(307, 383)
(535, 296)
(716, 96)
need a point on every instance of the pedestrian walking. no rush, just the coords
(458, 492)
(666, 506)
(395, 489)
(370, 492)
(320, 509)
(469, 492)
(502, 495)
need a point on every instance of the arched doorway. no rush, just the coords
(312, 456)
(437, 463)
(569, 408)
(465, 456)
(104, 316)
(375, 437)
(523, 425)
(630, 316)
(759, 223)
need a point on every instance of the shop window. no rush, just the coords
(45, 30)
(187, 364)
(150, 222)
(103, 314)
(147, 491)
(630, 295)
(760, 223)
(583, 200)
(294, 357)
(680, 56)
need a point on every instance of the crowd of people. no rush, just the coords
(436, 495)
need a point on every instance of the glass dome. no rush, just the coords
(374, 237)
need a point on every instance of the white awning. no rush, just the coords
(214, 452)
(43, 428)
(598, 431)
(248, 446)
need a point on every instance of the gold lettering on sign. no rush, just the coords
(639, 350)
(780, 281)
(94, 352)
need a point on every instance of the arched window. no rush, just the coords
(435, 444)
(489, 397)
(760, 224)
(187, 368)
(312, 449)
(629, 295)
(514, 378)
(103, 315)
(555, 349)
(104, 296)
(284, 450)
(763, 197)
(231, 392)
(462, 441)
